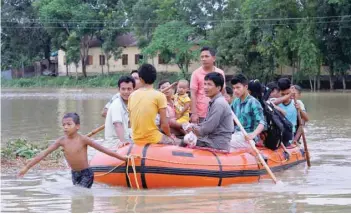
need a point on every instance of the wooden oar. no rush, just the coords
(253, 146)
(303, 134)
(95, 131)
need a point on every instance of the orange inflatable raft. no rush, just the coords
(164, 166)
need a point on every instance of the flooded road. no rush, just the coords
(36, 115)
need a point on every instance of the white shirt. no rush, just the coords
(117, 112)
(111, 100)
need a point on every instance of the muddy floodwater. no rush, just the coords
(35, 114)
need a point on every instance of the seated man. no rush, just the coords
(217, 128)
(286, 102)
(117, 118)
(143, 105)
(135, 76)
(249, 112)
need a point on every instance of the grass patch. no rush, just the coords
(98, 81)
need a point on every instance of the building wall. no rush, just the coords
(116, 65)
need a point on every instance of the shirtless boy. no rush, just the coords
(75, 148)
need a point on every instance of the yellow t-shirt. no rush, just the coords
(179, 103)
(143, 106)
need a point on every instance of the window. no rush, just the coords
(125, 59)
(161, 61)
(64, 60)
(138, 57)
(90, 60)
(102, 59)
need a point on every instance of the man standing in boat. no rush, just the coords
(117, 126)
(199, 101)
(217, 128)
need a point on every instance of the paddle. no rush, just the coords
(252, 144)
(95, 131)
(302, 133)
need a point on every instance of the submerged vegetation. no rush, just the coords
(21, 148)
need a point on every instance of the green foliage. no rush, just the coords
(177, 43)
(22, 148)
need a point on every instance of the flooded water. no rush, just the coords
(36, 114)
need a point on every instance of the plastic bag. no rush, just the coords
(190, 139)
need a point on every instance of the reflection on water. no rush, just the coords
(322, 188)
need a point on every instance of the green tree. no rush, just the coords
(22, 39)
(176, 42)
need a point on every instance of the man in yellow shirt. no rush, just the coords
(143, 106)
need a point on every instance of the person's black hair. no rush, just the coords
(239, 78)
(133, 71)
(147, 72)
(74, 116)
(229, 90)
(284, 83)
(256, 90)
(126, 79)
(273, 86)
(217, 79)
(212, 51)
(162, 82)
(298, 88)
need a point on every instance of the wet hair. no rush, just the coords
(239, 78)
(229, 90)
(298, 88)
(217, 79)
(212, 51)
(126, 79)
(147, 72)
(134, 71)
(272, 86)
(163, 82)
(74, 116)
(284, 83)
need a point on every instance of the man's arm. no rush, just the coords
(279, 100)
(258, 118)
(119, 129)
(164, 122)
(100, 148)
(104, 112)
(40, 157)
(194, 115)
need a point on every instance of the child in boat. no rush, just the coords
(182, 102)
(229, 96)
(75, 150)
(298, 90)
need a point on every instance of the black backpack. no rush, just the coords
(279, 129)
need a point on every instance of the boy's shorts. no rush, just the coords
(84, 178)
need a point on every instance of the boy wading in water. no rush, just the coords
(75, 150)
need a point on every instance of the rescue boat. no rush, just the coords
(165, 166)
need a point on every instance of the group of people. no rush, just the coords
(140, 114)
